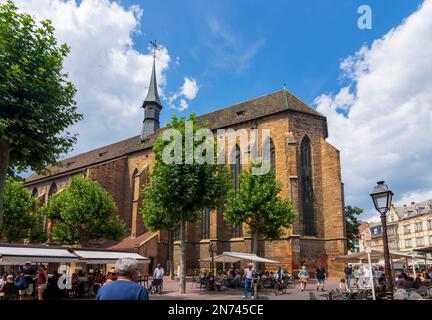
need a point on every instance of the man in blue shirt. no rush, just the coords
(126, 286)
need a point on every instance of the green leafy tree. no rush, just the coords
(352, 224)
(36, 99)
(181, 191)
(83, 212)
(257, 204)
(20, 211)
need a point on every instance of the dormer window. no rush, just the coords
(70, 163)
(240, 113)
(103, 153)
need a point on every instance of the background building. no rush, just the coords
(415, 225)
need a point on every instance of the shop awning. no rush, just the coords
(20, 254)
(231, 257)
(105, 257)
(376, 255)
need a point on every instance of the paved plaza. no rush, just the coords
(171, 292)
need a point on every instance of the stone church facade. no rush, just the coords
(305, 163)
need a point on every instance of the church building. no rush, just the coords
(307, 166)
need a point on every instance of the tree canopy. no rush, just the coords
(258, 204)
(179, 192)
(36, 99)
(20, 211)
(352, 224)
(83, 212)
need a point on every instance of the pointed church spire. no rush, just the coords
(152, 104)
(153, 95)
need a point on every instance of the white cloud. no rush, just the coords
(188, 90)
(414, 196)
(111, 76)
(382, 121)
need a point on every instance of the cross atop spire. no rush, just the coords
(155, 47)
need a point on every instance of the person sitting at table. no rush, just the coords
(237, 280)
(219, 281)
(342, 286)
(210, 281)
(203, 280)
(428, 281)
(406, 283)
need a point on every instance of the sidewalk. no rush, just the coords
(193, 292)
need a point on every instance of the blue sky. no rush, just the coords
(374, 86)
(300, 43)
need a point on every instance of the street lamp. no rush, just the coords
(382, 198)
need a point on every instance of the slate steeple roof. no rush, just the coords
(153, 95)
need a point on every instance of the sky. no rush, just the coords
(373, 85)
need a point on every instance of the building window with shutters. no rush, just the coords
(420, 242)
(408, 243)
(205, 224)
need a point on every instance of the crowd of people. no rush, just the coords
(26, 283)
(30, 283)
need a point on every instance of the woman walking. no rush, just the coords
(42, 281)
(304, 277)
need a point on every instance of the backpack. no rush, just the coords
(22, 283)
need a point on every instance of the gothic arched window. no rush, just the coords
(307, 192)
(237, 230)
(135, 199)
(135, 186)
(35, 193)
(205, 224)
(269, 153)
(52, 190)
(236, 168)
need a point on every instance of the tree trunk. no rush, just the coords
(4, 165)
(255, 246)
(182, 274)
(170, 253)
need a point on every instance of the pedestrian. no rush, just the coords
(304, 277)
(357, 276)
(348, 272)
(27, 287)
(249, 282)
(158, 274)
(126, 286)
(321, 275)
(42, 281)
(10, 290)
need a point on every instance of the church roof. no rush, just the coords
(153, 95)
(266, 105)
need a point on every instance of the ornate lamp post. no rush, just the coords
(382, 198)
